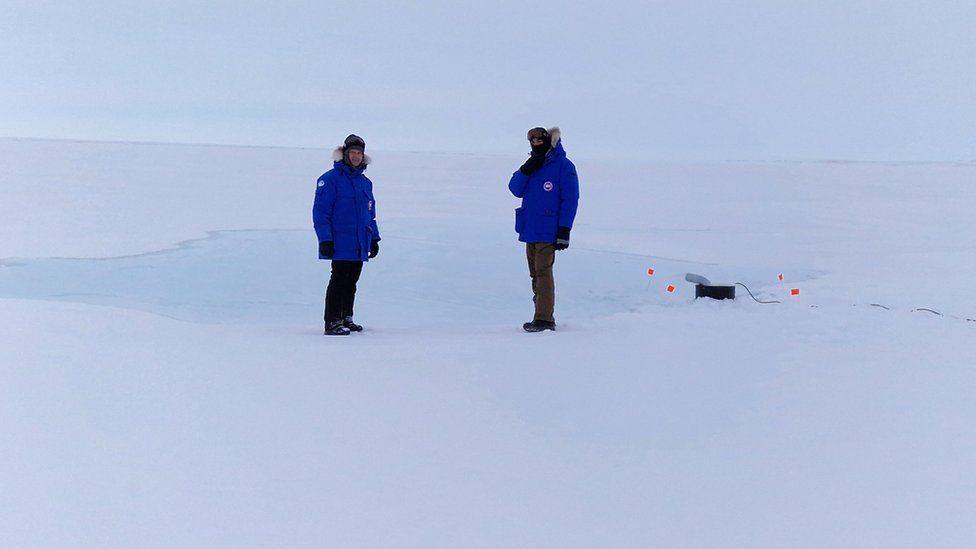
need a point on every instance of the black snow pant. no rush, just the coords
(341, 294)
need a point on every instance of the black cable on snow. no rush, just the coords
(754, 297)
(879, 305)
(927, 310)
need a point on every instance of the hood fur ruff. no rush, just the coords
(337, 155)
(554, 134)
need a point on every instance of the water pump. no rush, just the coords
(705, 288)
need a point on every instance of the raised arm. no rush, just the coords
(517, 183)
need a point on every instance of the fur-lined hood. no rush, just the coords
(338, 152)
(555, 135)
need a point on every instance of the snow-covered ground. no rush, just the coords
(164, 380)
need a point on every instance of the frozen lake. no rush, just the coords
(273, 276)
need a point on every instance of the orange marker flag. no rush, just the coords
(650, 273)
(671, 288)
(795, 291)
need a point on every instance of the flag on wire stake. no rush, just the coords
(650, 273)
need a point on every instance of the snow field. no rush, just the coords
(154, 393)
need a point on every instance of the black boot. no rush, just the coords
(350, 325)
(539, 326)
(336, 328)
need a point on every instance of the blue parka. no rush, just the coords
(345, 212)
(549, 197)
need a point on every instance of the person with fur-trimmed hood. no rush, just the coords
(344, 215)
(549, 188)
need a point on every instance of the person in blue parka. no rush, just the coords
(344, 215)
(549, 188)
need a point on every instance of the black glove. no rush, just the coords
(562, 238)
(533, 164)
(327, 248)
(374, 249)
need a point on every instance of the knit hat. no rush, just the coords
(354, 142)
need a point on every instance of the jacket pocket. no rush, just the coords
(519, 220)
(542, 225)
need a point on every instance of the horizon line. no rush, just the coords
(473, 153)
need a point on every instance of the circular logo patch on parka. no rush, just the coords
(547, 186)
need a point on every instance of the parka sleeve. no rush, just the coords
(322, 208)
(568, 195)
(372, 222)
(517, 183)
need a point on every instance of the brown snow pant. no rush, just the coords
(541, 256)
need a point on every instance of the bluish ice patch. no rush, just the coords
(435, 276)
(228, 277)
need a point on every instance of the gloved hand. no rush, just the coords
(533, 164)
(327, 248)
(562, 238)
(374, 249)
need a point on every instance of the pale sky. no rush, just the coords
(750, 80)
